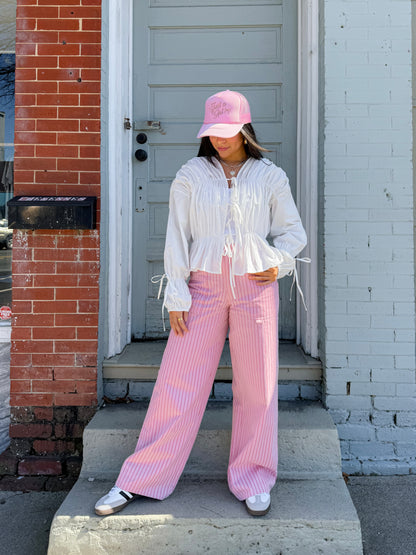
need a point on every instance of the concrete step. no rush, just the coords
(141, 360)
(307, 517)
(308, 441)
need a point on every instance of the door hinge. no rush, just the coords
(127, 123)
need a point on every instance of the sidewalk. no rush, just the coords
(385, 504)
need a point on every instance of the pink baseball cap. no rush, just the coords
(225, 114)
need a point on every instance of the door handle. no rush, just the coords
(148, 125)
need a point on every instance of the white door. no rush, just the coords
(184, 51)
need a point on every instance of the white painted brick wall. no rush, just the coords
(367, 297)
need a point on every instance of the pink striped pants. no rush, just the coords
(185, 380)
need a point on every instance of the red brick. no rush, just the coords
(91, 24)
(57, 151)
(75, 373)
(36, 37)
(54, 333)
(90, 125)
(24, 151)
(91, 2)
(79, 113)
(33, 268)
(79, 37)
(18, 359)
(90, 100)
(91, 75)
(33, 189)
(31, 400)
(89, 178)
(85, 281)
(54, 307)
(24, 125)
(40, 466)
(33, 138)
(22, 254)
(57, 125)
(75, 346)
(76, 399)
(32, 372)
(22, 307)
(21, 346)
(26, 74)
(78, 138)
(53, 360)
(23, 175)
(22, 333)
(25, 24)
(31, 430)
(79, 87)
(61, 2)
(87, 386)
(56, 177)
(26, 50)
(25, 99)
(55, 254)
(58, 74)
(34, 293)
(79, 62)
(86, 360)
(59, 50)
(20, 386)
(44, 447)
(89, 255)
(76, 320)
(79, 165)
(36, 163)
(58, 24)
(89, 152)
(58, 99)
(42, 413)
(68, 293)
(56, 281)
(77, 268)
(38, 61)
(60, 386)
(36, 87)
(35, 320)
(36, 112)
(85, 12)
(90, 49)
(36, 11)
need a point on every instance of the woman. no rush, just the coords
(223, 204)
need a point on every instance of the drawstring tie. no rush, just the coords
(159, 279)
(296, 279)
(237, 218)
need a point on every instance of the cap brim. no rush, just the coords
(223, 130)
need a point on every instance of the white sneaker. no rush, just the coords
(259, 504)
(115, 500)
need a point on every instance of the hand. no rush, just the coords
(178, 322)
(266, 277)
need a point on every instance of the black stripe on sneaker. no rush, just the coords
(127, 496)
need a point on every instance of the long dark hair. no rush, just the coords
(252, 148)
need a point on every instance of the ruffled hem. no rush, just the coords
(253, 255)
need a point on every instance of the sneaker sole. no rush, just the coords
(257, 513)
(111, 511)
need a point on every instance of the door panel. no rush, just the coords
(182, 56)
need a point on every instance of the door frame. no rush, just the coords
(116, 212)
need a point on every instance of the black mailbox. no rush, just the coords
(30, 212)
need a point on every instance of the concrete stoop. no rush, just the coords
(312, 511)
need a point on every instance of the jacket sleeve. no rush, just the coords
(286, 228)
(176, 255)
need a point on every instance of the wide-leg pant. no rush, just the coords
(185, 380)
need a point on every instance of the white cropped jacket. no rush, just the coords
(199, 233)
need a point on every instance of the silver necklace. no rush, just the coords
(233, 167)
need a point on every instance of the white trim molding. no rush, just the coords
(119, 174)
(307, 167)
(118, 168)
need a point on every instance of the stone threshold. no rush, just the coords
(141, 360)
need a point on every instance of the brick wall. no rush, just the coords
(369, 336)
(55, 273)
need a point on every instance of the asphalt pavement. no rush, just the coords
(385, 505)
